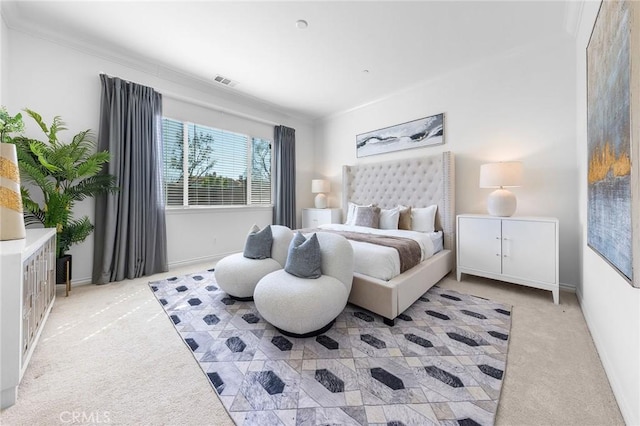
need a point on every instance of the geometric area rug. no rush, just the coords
(441, 364)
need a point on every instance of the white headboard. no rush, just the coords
(416, 182)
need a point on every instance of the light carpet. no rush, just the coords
(443, 362)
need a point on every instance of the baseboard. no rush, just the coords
(568, 287)
(202, 259)
(80, 281)
(88, 280)
(625, 407)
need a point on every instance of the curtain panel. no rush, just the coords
(130, 237)
(284, 151)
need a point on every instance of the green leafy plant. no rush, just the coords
(65, 173)
(9, 124)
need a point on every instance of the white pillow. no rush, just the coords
(389, 218)
(424, 219)
(351, 213)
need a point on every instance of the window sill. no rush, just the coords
(215, 209)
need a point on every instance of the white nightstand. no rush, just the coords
(312, 218)
(520, 250)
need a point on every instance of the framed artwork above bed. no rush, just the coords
(413, 134)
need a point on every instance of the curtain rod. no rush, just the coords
(208, 105)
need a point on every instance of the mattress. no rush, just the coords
(384, 262)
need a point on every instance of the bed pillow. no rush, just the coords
(351, 213)
(258, 244)
(404, 221)
(304, 259)
(368, 216)
(389, 218)
(424, 219)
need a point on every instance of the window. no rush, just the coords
(222, 168)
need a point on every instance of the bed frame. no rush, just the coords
(416, 182)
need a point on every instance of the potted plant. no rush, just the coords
(64, 173)
(9, 124)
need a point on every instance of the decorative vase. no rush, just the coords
(11, 218)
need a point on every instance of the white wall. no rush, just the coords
(517, 106)
(610, 305)
(54, 79)
(4, 41)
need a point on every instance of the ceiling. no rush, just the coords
(312, 72)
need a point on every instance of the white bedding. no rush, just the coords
(384, 262)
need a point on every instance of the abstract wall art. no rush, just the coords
(414, 134)
(610, 221)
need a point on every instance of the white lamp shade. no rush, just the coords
(320, 186)
(500, 175)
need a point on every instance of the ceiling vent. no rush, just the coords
(224, 81)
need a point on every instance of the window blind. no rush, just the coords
(173, 139)
(260, 171)
(220, 167)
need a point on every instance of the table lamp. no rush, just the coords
(501, 202)
(320, 187)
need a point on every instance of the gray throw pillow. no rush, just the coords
(258, 245)
(368, 216)
(304, 259)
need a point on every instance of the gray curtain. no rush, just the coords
(284, 151)
(130, 238)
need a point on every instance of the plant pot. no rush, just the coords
(61, 268)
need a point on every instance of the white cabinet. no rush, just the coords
(312, 218)
(28, 286)
(520, 250)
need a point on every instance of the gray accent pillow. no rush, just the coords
(304, 259)
(368, 216)
(258, 245)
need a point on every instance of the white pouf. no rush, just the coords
(304, 307)
(238, 275)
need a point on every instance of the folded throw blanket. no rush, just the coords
(409, 251)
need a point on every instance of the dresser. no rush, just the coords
(519, 250)
(312, 218)
(28, 291)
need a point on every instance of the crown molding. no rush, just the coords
(14, 20)
(573, 16)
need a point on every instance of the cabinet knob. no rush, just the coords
(505, 238)
(505, 255)
(497, 254)
(497, 238)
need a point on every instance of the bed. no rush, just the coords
(416, 182)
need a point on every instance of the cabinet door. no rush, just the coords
(479, 244)
(308, 219)
(321, 217)
(529, 250)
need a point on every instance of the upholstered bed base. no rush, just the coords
(416, 182)
(391, 298)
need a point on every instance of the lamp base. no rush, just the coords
(501, 203)
(321, 201)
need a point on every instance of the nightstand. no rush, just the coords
(312, 218)
(519, 250)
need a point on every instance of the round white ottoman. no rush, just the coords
(238, 275)
(302, 307)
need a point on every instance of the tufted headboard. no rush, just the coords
(416, 182)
